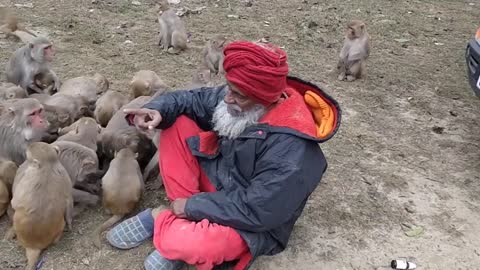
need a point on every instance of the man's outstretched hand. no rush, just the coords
(145, 118)
(178, 207)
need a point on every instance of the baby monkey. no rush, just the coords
(46, 82)
(355, 52)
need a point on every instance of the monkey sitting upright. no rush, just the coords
(42, 201)
(172, 29)
(122, 189)
(213, 54)
(30, 60)
(354, 53)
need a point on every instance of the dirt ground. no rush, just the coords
(406, 160)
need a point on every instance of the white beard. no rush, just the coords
(232, 124)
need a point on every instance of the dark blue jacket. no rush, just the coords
(264, 177)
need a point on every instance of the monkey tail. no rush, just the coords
(32, 258)
(28, 31)
(97, 233)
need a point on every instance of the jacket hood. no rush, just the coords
(307, 111)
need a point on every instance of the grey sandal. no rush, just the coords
(132, 232)
(155, 261)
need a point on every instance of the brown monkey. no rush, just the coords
(354, 53)
(46, 82)
(40, 97)
(172, 29)
(102, 83)
(8, 169)
(42, 201)
(4, 198)
(202, 77)
(107, 105)
(22, 121)
(88, 87)
(122, 188)
(78, 106)
(61, 111)
(11, 27)
(11, 91)
(28, 61)
(84, 131)
(118, 135)
(213, 54)
(146, 83)
(81, 164)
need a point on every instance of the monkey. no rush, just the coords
(28, 61)
(61, 111)
(103, 84)
(42, 201)
(40, 97)
(81, 164)
(11, 27)
(202, 77)
(172, 29)
(119, 134)
(11, 91)
(4, 198)
(84, 131)
(8, 169)
(22, 121)
(107, 105)
(88, 87)
(122, 189)
(146, 83)
(355, 51)
(46, 82)
(213, 54)
(57, 118)
(77, 106)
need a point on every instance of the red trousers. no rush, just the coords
(203, 244)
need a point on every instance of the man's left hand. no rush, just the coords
(178, 207)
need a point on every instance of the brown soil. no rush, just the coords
(407, 153)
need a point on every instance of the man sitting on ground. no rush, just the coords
(238, 163)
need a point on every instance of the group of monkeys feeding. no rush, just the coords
(68, 143)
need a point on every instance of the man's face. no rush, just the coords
(236, 113)
(237, 102)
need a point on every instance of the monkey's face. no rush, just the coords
(219, 43)
(35, 123)
(42, 52)
(35, 118)
(355, 30)
(48, 53)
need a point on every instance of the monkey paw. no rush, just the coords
(341, 77)
(172, 50)
(155, 184)
(350, 78)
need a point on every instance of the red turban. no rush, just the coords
(258, 70)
